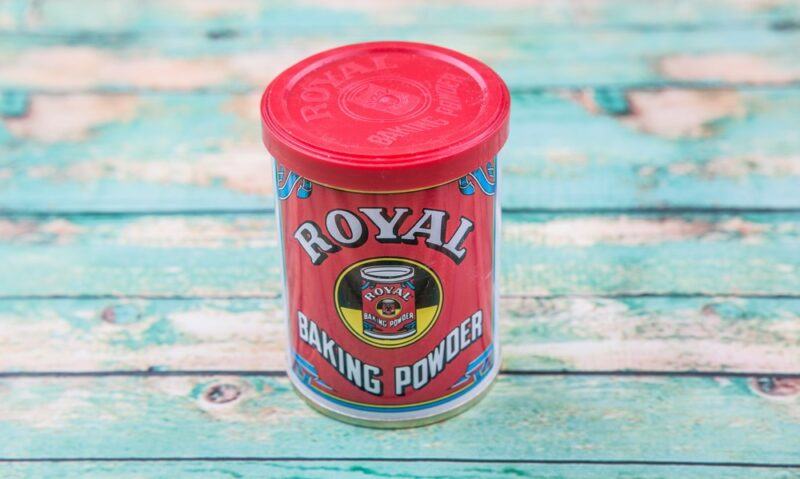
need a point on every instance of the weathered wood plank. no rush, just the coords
(371, 469)
(542, 254)
(524, 417)
(573, 57)
(152, 16)
(570, 333)
(149, 152)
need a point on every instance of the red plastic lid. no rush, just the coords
(385, 116)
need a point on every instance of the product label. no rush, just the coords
(390, 297)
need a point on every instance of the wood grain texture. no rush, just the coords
(726, 334)
(146, 110)
(591, 149)
(372, 470)
(574, 58)
(219, 16)
(524, 417)
(543, 254)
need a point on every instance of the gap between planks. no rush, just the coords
(167, 297)
(643, 211)
(503, 372)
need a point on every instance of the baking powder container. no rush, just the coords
(386, 172)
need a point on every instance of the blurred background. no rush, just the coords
(619, 104)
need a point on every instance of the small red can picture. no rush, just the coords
(388, 302)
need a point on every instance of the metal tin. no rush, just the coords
(386, 187)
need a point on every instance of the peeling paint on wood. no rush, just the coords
(100, 113)
(523, 417)
(574, 57)
(570, 333)
(206, 255)
(728, 67)
(70, 118)
(741, 167)
(148, 17)
(83, 68)
(677, 114)
(668, 113)
(686, 148)
(363, 469)
(776, 387)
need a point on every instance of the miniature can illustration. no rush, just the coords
(385, 161)
(388, 304)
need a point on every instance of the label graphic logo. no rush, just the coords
(384, 289)
(388, 302)
(386, 98)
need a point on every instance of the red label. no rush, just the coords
(390, 297)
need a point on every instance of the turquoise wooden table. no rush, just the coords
(651, 242)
